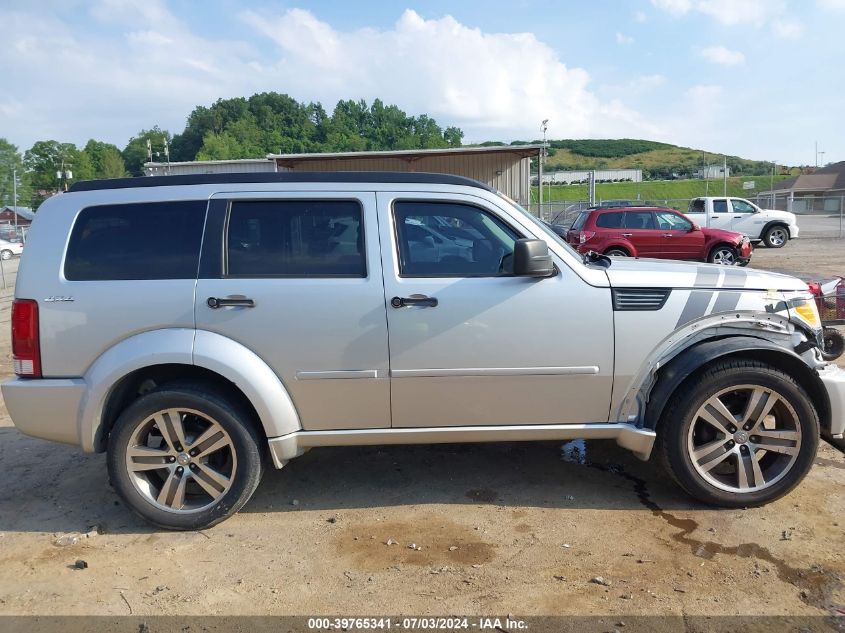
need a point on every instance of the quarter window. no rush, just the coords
(295, 238)
(153, 240)
(443, 239)
(610, 220)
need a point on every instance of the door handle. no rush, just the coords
(667, 235)
(627, 234)
(414, 300)
(737, 217)
(216, 302)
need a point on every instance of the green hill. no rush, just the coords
(657, 160)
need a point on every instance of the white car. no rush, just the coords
(773, 228)
(8, 249)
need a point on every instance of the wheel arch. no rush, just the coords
(118, 376)
(687, 365)
(624, 246)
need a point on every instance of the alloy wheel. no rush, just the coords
(181, 460)
(744, 439)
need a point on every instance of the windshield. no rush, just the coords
(547, 231)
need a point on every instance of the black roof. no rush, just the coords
(288, 176)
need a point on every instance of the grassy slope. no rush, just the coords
(658, 190)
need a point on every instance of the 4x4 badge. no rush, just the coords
(56, 299)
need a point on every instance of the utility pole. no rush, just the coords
(15, 195)
(725, 175)
(543, 126)
(772, 182)
(817, 154)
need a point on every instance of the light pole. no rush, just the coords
(15, 196)
(543, 126)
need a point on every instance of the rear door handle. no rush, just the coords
(414, 300)
(217, 302)
(667, 235)
(627, 234)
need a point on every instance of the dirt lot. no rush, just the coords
(503, 528)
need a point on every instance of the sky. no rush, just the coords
(762, 79)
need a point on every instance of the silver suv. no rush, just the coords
(198, 327)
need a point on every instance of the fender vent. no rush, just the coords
(626, 299)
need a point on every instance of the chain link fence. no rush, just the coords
(818, 216)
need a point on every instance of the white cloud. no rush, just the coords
(621, 38)
(640, 17)
(487, 83)
(757, 13)
(831, 5)
(675, 7)
(722, 55)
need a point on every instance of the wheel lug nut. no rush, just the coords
(193, 466)
(171, 459)
(193, 453)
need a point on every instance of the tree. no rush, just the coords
(135, 153)
(106, 159)
(46, 159)
(11, 162)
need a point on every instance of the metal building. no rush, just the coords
(506, 168)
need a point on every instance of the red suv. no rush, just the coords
(655, 232)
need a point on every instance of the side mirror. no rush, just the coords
(695, 227)
(531, 258)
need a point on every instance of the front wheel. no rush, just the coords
(724, 254)
(184, 458)
(834, 344)
(742, 434)
(776, 237)
(6, 255)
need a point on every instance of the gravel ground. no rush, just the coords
(499, 528)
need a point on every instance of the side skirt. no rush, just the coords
(639, 441)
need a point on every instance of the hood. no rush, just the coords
(660, 273)
(774, 214)
(720, 234)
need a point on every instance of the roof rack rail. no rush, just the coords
(280, 177)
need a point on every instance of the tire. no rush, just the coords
(218, 481)
(704, 460)
(776, 236)
(6, 255)
(834, 344)
(616, 252)
(723, 254)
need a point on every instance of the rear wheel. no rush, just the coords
(723, 254)
(616, 252)
(742, 434)
(184, 458)
(6, 254)
(776, 236)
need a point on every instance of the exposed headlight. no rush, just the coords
(805, 310)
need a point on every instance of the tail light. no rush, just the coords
(26, 344)
(585, 236)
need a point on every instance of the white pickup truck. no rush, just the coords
(773, 228)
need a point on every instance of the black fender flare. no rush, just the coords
(696, 357)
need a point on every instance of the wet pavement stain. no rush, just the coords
(824, 461)
(482, 495)
(437, 540)
(816, 584)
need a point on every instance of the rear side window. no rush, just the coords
(151, 240)
(639, 220)
(295, 238)
(579, 221)
(610, 220)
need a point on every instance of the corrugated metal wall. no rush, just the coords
(508, 173)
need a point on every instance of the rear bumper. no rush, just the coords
(833, 379)
(46, 408)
